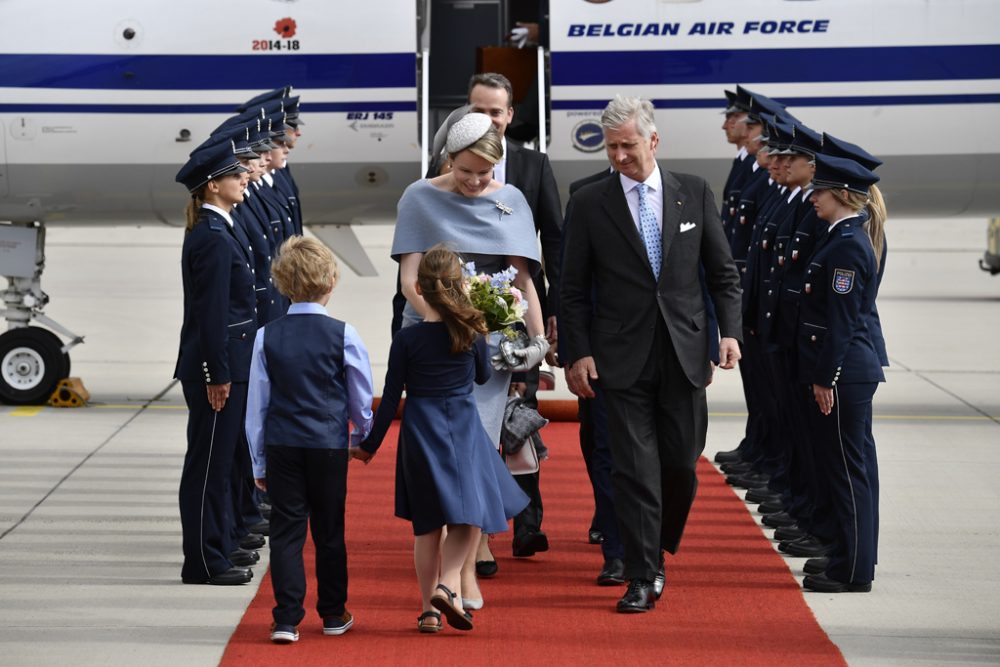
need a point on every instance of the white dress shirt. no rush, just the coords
(500, 168)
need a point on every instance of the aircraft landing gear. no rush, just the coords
(32, 360)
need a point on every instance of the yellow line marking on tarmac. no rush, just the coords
(26, 411)
(974, 418)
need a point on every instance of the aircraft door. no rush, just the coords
(3, 161)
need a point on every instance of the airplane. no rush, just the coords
(100, 104)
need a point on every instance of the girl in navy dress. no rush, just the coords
(448, 474)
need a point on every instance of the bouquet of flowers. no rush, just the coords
(495, 296)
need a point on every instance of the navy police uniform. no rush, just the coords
(835, 350)
(216, 341)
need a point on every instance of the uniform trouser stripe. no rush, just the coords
(204, 488)
(847, 473)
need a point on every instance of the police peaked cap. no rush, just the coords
(805, 140)
(835, 173)
(263, 98)
(209, 163)
(840, 148)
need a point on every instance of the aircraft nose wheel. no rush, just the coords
(31, 364)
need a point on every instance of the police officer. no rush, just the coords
(838, 365)
(213, 363)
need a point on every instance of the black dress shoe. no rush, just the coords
(750, 480)
(805, 547)
(261, 528)
(234, 576)
(771, 508)
(265, 511)
(764, 495)
(659, 582)
(252, 541)
(613, 573)
(788, 533)
(816, 565)
(244, 557)
(530, 544)
(778, 519)
(732, 456)
(736, 468)
(486, 568)
(824, 584)
(638, 598)
(595, 536)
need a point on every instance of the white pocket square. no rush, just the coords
(685, 226)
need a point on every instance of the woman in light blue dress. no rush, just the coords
(486, 222)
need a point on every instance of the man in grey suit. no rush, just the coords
(633, 316)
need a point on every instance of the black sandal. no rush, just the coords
(457, 618)
(427, 627)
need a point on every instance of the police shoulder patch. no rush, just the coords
(843, 281)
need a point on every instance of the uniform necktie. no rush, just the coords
(650, 231)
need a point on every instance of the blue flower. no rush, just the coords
(469, 269)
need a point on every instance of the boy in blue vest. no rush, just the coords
(309, 374)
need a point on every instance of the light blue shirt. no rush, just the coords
(654, 195)
(357, 370)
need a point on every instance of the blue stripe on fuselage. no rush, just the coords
(837, 101)
(752, 66)
(208, 72)
(308, 107)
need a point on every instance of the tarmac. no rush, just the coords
(89, 527)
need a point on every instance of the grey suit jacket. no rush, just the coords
(610, 298)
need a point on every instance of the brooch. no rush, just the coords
(504, 209)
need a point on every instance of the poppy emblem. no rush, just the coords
(285, 27)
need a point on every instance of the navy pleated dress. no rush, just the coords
(448, 470)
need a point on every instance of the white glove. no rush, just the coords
(532, 354)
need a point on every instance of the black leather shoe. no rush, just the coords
(805, 547)
(764, 495)
(244, 557)
(770, 508)
(261, 528)
(638, 598)
(732, 456)
(234, 576)
(595, 536)
(265, 511)
(252, 541)
(750, 480)
(613, 573)
(486, 568)
(659, 582)
(530, 544)
(824, 584)
(816, 565)
(736, 468)
(789, 533)
(778, 519)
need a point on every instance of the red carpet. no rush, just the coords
(729, 599)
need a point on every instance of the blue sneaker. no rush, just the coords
(284, 634)
(338, 625)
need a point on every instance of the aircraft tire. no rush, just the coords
(31, 365)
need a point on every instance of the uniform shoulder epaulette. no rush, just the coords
(216, 223)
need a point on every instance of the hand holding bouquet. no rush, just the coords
(501, 304)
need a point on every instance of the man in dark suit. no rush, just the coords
(632, 313)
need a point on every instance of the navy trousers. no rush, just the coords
(845, 454)
(307, 487)
(594, 429)
(205, 493)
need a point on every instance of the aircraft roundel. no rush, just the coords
(588, 136)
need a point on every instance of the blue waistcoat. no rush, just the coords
(305, 366)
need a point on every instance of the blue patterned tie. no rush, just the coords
(650, 231)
